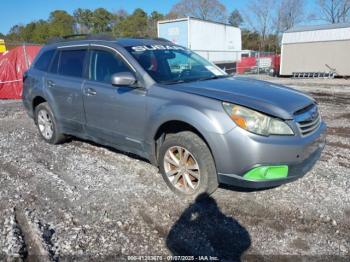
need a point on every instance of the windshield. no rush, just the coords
(168, 64)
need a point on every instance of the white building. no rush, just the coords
(323, 48)
(219, 43)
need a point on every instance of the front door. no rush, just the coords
(115, 114)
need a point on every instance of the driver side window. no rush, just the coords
(104, 64)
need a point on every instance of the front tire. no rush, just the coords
(47, 125)
(187, 165)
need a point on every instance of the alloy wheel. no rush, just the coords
(45, 124)
(182, 169)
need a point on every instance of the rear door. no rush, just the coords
(34, 78)
(64, 86)
(114, 114)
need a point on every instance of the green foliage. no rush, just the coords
(34, 32)
(152, 23)
(15, 33)
(86, 21)
(61, 23)
(40, 34)
(83, 20)
(134, 25)
(252, 40)
(102, 21)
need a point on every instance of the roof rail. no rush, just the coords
(67, 38)
(161, 39)
(74, 36)
(147, 38)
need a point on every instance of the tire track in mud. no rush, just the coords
(37, 235)
(12, 241)
(26, 238)
(45, 192)
(43, 181)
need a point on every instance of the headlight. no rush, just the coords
(256, 122)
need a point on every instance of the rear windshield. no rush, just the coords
(169, 64)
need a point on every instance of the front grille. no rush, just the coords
(309, 120)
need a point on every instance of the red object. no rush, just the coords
(12, 66)
(246, 64)
(276, 63)
(249, 63)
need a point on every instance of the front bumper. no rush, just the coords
(295, 171)
(241, 152)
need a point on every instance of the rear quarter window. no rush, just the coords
(71, 63)
(44, 60)
(54, 65)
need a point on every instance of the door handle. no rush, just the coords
(50, 83)
(90, 91)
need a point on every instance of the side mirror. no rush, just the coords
(123, 79)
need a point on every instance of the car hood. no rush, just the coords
(269, 98)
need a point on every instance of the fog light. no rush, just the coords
(267, 173)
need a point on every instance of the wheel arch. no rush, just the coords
(37, 101)
(173, 127)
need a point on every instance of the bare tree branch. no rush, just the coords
(260, 17)
(290, 13)
(204, 9)
(334, 11)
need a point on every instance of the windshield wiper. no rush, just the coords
(171, 82)
(178, 81)
(213, 77)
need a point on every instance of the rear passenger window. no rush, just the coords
(44, 60)
(72, 63)
(104, 64)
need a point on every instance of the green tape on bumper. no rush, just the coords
(267, 173)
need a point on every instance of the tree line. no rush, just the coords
(85, 21)
(262, 21)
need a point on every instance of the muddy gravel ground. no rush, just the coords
(82, 201)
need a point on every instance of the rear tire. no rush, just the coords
(47, 125)
(187, 165)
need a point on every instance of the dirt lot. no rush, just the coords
(79, 200)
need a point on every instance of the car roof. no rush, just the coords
(123, 42)
(142, 41)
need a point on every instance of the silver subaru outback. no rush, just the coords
(163, 102)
